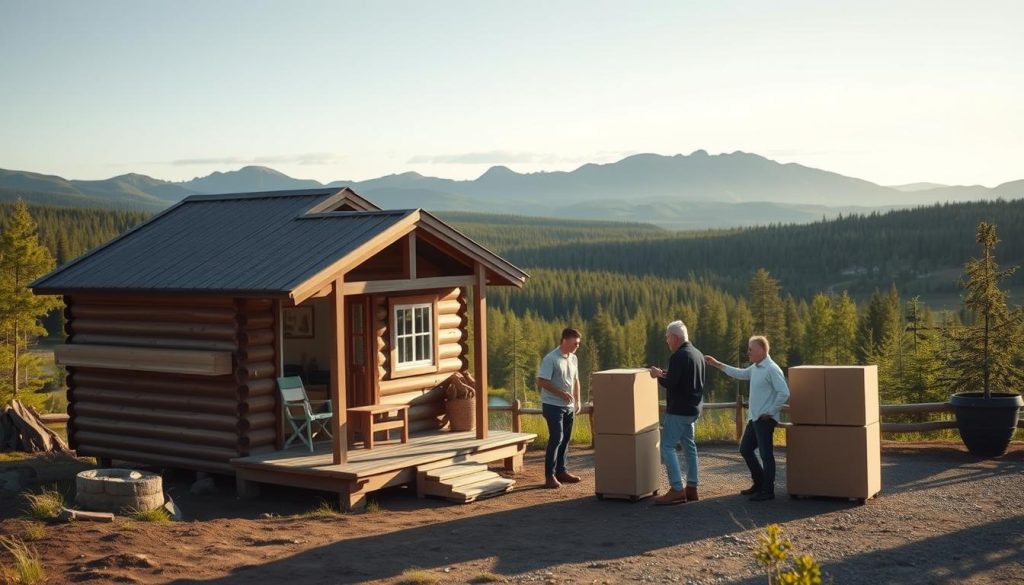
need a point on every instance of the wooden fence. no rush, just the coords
(517, 411)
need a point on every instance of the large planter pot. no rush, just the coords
(986, 424)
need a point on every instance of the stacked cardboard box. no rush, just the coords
(834, 445)
(627, 462)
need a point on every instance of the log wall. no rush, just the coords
(191, 421)
(422, 392)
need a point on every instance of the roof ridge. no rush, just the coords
(263, 194)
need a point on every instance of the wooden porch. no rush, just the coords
(369, 470)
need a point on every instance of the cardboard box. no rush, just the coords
(807, 395)
(851, 395)
(837, 461)
(627, 466)
(833, 395)
(625, 401)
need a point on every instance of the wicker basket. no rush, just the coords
(461, 414)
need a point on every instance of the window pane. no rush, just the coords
(357, 318)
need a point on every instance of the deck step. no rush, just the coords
(452, 471)
(463, 483)
(483, 489)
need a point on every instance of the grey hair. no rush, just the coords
(678, 329)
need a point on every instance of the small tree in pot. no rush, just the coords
(981, 367)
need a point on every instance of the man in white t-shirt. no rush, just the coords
(559, 383)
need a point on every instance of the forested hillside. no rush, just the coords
(70, 232)
(920, 250)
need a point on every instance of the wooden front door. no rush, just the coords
(358, 382)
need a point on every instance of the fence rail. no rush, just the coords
(517, 411)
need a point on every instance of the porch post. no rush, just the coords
(339, 422)
(480, 348)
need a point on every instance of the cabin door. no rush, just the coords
(357, 343)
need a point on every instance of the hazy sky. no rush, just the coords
(888, 91)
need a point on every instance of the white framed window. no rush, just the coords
(413, 335)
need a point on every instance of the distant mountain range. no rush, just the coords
(681, 192)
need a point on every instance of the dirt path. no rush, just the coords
(943, 517)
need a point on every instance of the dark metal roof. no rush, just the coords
(249, 243)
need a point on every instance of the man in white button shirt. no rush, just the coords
(768, 392)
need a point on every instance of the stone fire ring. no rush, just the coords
(121, 491)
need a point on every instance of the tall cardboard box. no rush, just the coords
(625, 401)
(833, 395)
(836, 461)
(627, 466)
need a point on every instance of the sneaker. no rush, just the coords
(551, 483)
(671, 498)
(566, 477)
(751, 490)
(762, 496)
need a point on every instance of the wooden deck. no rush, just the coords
(369, 470)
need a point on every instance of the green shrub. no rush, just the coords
(773, 552)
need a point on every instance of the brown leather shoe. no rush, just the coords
(551, 483)
(691, 493)
(671, 498)
(566, 477)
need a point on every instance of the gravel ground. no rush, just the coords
(943, 517)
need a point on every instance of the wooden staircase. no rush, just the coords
(462, 482)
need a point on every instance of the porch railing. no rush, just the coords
(518, 411)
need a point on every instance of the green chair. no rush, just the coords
(299, 411)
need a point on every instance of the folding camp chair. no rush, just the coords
(298, 410)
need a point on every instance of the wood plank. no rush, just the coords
(339, 391)
(172, 361)
(480, 348)
(445, 473)
(424, 452)
(405, 284)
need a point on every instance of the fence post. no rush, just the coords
(739, 416)
(517, 425)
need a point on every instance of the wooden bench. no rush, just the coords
(367, 420)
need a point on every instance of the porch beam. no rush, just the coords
(480, 348)
(409, 256)
(339, 422)
(381, 286)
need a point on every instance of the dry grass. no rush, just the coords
(322, 510)
(156, 515)
(417, 577)
(33, 531)
(25, 567)
(486, 578)
(45, 505)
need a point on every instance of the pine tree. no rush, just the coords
(769, 315)
(843, 330)
(983, 353)
(816, 333)
(22, 260)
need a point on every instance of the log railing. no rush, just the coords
(517, 411)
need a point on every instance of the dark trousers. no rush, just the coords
(560, 420)
(758, 437)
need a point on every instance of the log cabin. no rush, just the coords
(178, 329)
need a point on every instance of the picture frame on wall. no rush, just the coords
(298, 322)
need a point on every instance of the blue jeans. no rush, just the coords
(758, 437)
(674, 429)
(560, 420)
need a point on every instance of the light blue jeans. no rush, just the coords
(677, 428)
